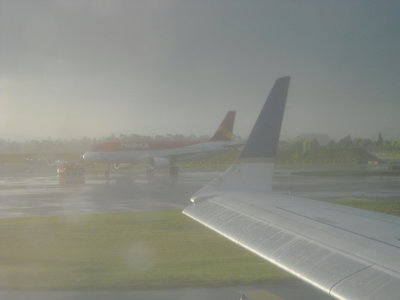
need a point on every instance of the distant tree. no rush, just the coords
(362, 143)
(346, 142)
(331, 145)
(309, 145)
(322, 139)
(380, 140)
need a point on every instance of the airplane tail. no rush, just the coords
(253, 169)
(225, 130)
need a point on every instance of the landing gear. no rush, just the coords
(107, 174)
(173, 174)
(150, 174)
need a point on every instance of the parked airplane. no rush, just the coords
(348, 253)
(165, 154)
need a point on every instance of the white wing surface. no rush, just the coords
(347, 252)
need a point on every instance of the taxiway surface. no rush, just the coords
(36, 191)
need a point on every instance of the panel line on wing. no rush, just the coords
(263, 221)
(347, 277)
(220, 228)
(339, 227)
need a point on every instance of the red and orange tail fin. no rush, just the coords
(225, 130)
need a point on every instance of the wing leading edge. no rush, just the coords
(346, 252)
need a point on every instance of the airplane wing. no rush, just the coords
(347, 252)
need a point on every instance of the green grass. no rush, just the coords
(390, 156)
(387, 207)
(365, 172)
(323, 157)
(122, 251)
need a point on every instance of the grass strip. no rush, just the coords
(387, 207)
(122, 251)
(349, 173)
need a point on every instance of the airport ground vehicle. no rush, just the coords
(71, 172)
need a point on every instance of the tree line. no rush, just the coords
(301, 146)
(306, 144)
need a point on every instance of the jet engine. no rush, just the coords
(159, 162)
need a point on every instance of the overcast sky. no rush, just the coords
(74, 68)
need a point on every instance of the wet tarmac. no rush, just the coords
(274, 291)
(36, 191)
(32, 193)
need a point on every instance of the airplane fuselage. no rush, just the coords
(133, 152)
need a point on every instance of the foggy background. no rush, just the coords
(75, 68)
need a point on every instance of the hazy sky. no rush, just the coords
(73, 68)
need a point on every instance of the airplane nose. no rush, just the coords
(91, 156)
(86, 156)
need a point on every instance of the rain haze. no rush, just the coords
(92, 68)
(84, 215)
